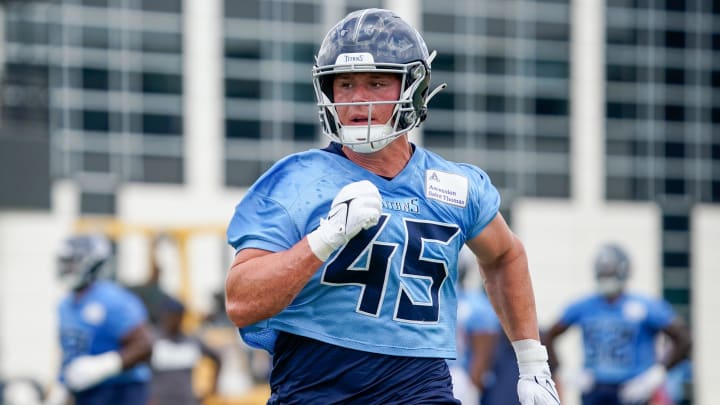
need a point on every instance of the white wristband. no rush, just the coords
(321, 249)
(532, 357)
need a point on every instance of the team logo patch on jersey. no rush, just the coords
(445, 187)
(94, 313)
(634, 311)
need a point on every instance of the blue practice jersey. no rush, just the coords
(391, 289)
(96, 322)
(619, 336)
(475, 315)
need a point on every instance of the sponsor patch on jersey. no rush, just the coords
(446, 187)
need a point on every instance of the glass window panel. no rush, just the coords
(167, 6)
(160, 42)
(157, 169)
(96, 120)
(242, 48)
(551, 31)
(674, 75)
(242, 172)
(242, 9)
(95, 203)
(97, 79)
(161, 124)
(551, 69)
(303, 92)
(95, 3)
(95, 37)
(550, 106)
(674, 113)
(26, 32)
(675, 39)
(96, 162)
(305, 12)
(161, 83)
(240, 88)
(305, 132)
(235, 128)
(438, 22)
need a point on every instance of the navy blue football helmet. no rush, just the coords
(374, 40)
(612, 269)
(81, 258)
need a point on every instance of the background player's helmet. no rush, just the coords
(612, 269)
(81, 259)
(373, 40)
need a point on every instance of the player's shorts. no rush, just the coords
(115, 394)
(306, 371)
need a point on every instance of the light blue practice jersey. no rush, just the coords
(619, 336)
(391, 289)
(96, 322)
(475, 315)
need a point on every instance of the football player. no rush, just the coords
(104, 335)
(346, 257)
(618, 332)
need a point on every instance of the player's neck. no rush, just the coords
(387, 162)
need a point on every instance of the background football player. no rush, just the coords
(619, 331)
(104, 335)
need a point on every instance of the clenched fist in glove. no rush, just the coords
(535, 386)
(357, 206)
(87, 371)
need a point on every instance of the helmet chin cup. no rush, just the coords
(366, 138)
(610, 287)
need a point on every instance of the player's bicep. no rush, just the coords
(493, 243)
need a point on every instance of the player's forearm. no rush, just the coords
(509, 288)
(260, 284)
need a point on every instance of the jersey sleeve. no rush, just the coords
(485, 198)
(572, 314)
(262, 223)
(660, 314)
(125, 314)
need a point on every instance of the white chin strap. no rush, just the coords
(366, 138)
(71, 281)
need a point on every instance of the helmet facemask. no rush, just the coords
(409, 109)
(612, 270)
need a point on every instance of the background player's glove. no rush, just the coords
(58, 395)
(86, 371)
(535, 386)
(640, 388)
(356, 207)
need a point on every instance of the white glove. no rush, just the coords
(356, 207)
(87, 371)
(535, 386)
(640, 388)
(58, 395)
